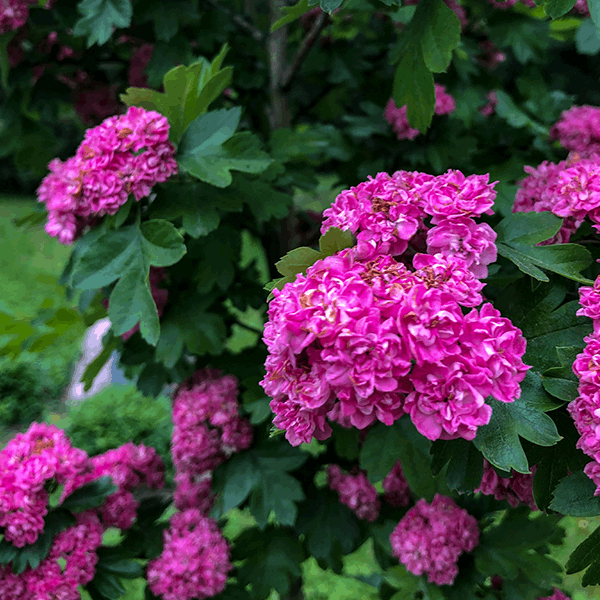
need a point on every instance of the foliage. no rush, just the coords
(270, 107)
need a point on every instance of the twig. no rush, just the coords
(256, 33)
(307, 43)
(279, 113)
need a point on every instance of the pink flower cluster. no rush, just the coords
(585, 409)
(355, 491)
(396, 117)
(515, 489)
(130, 467)
(569, 189)
(578, 129)
(29, 463)
(207, 429)
(362, 336)
(194, 562)
(395, 486)
(430, 538)
(126, 154)
(77, 547)
(14, 13)
(43, 457)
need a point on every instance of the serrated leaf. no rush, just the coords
(107, 585)
(465, 463)
(95, 366)
(574, 497)
(587, 553)
(334, 240)
(561, 382)
(439, 29)
(297, 261)
(272, 561)
(100, 17)
(209, 150)
(329, 6)
(127, 568)
(127, 254)
(90, 495)
(499, 440)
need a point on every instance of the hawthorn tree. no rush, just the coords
(356, 240)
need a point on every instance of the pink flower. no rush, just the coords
(13, 14)
(492, 101)
(589, 299)
(463, 238)
(514, 489)
(397, 117)
(126, 154)
(194, 562)
(355, 491)
(556, 595)
(397, 492)
(430, 538)
(578, 128)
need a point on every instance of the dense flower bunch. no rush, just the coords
(130, 467)
(29, 463)
(76, 547)
(207, 429)
(585, 408)
(515, 489)
(362, 337)
(395, 486)
(355, 491)
(126, 154)
(430, 538)
(569, 189)
(194, 562)
(396, 117)
(578, 129)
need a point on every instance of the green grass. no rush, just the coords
(30, 265)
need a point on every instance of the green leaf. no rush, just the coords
(334, 240)
(546, 325)
(167, 19)
(329, 6)
(514, 116)
(106, 585)
(385, 445)
(121, 567)
(330, 529)
(517, 236)
(587, 38)
(95, 366)
(99, 17)
(261, 474)
(465, 463)
(439, 30)
(127, 254)
(90, 495)
(273, 560)
(561, 382)
(594, 8)
(346, 441)
(557, 461)
(558, 8)
(574, 497)
(262, 198)
(586, 554)
(297, 261)
(290, 14)
(213, 163)
(414, 86)
(499, 440)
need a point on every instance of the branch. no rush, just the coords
(256, 33)
(307, 43)
(279, 114)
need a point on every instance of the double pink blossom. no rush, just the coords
(395, 486)
(515, 489)
(355, 491)
(578, 129)
(429, 539)
(124, 155)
